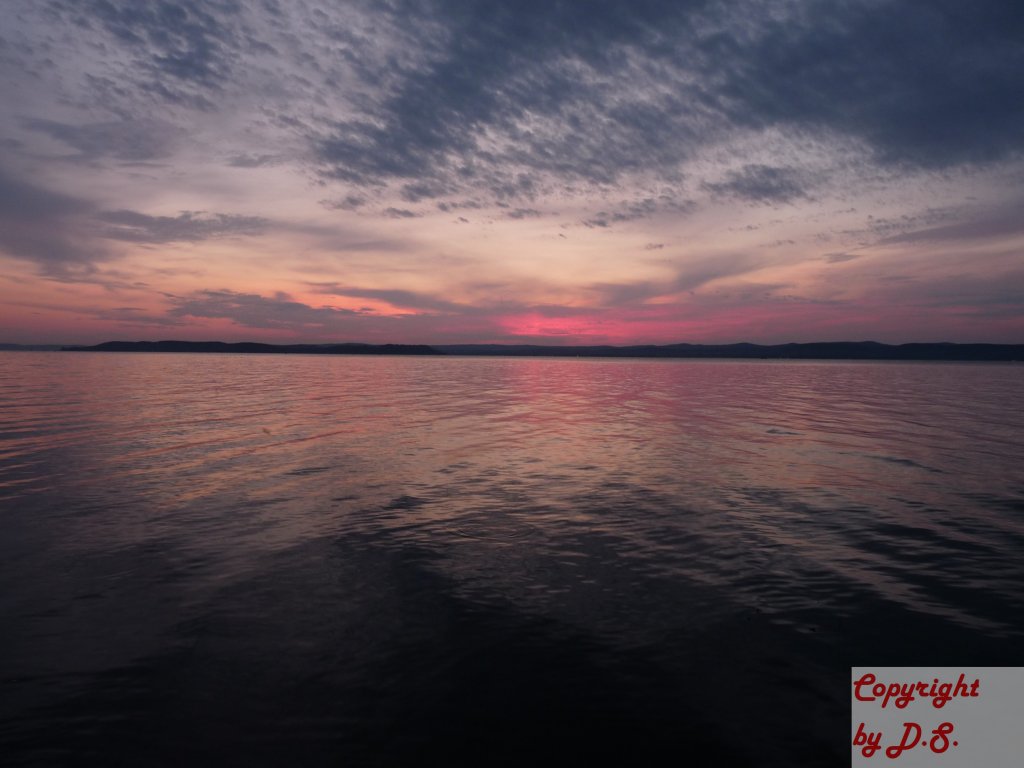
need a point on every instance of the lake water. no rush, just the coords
(303, 560)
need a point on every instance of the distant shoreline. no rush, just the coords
(857, 350)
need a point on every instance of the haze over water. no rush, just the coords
(312, 560)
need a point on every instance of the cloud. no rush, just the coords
(135, 317)
(253, 160)
(188, 226)
(128, 140)
(1008, 224)
(995, 295)
(281, 312)
(347, 203)
(610, 113)
(417, 191)
(510, 100)
(505, 96)
(761, 184)
(508, 94)
(637, 210)
(394, 297)
(181, 50)
(512, 74)
(523, 213)
(45, 227)
(927, 84)
(689, 276)
(840, 257)
(455, 205)
(255, 311)
(640, 209)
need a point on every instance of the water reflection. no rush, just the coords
(273, 554)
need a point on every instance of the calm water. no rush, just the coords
(255, 560)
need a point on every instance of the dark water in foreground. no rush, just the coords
(256, 560)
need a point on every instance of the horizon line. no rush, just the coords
(506, 343)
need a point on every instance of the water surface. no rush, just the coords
(308, 560)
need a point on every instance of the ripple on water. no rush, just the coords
(493, 527)
(391, 543)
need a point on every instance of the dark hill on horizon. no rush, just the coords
(248, 347)
(842, 350)
(30, 347)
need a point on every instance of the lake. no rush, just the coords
(388, 561)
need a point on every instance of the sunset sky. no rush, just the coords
(512, 171)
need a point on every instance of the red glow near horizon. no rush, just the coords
(697, 322)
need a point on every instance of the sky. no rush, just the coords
(516, 171)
